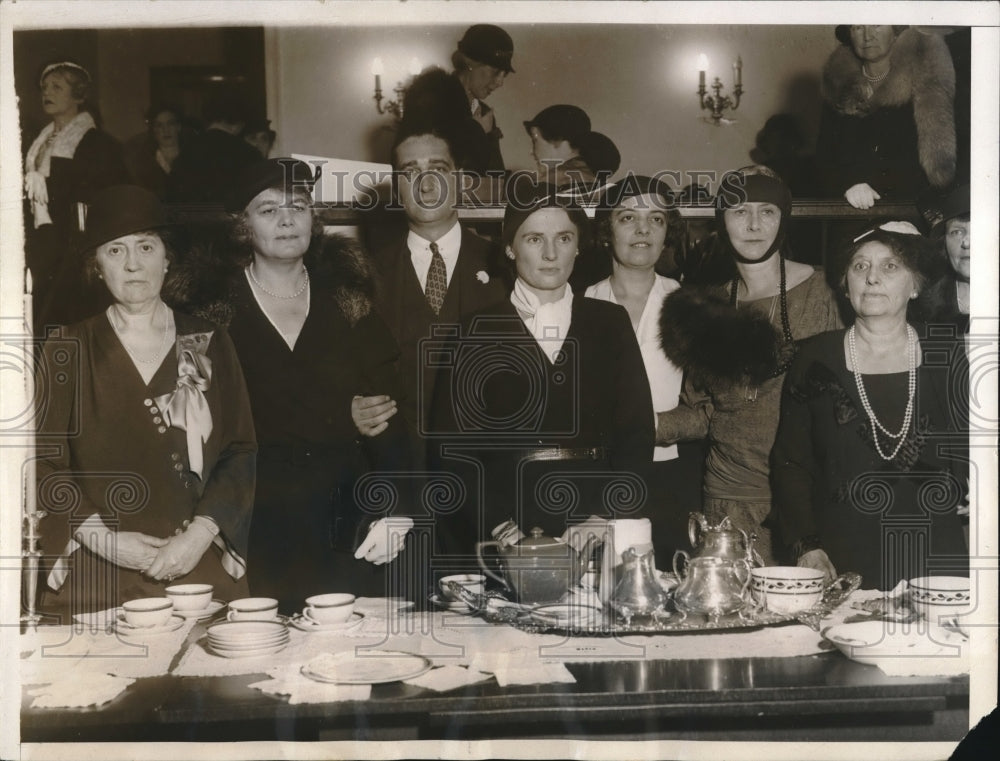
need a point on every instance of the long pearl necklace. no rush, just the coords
(911, 349)
(305, 284)
(113, 314)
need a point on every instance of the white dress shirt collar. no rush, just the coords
(448, 244)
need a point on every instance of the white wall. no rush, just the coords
(637, 82)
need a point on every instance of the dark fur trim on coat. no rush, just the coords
(922, 73)
(202, 282)
(715, 343)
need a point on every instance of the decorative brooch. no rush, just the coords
(482, 277)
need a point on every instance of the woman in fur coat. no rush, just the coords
(888, 123)
(298, 306)
(734, 344)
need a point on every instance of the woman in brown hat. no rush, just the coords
(149, 474)
(567, 152)
(482, 62)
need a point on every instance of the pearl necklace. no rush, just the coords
(113, 312)
(305, 284)
(872, 82)
(911, 348)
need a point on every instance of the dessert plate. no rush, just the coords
(371, 667)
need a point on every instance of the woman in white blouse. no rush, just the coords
(542, 409)
(632, 224)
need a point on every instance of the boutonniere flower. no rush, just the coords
(482, 277)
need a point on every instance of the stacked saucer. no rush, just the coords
(246, 639)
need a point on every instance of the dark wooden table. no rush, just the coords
(823, 697)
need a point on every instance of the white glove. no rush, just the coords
(861, 196)
(385, 540)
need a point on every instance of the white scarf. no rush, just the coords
(37, 164)
(548, 323)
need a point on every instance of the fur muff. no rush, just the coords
(202, 282)
(715, 343)
(921, 73)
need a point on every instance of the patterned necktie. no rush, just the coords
(437, 280)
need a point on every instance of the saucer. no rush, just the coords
(230, 653)
(306, 624)
(452, 606)
(374, 667)
(213, 607)
(125, 629)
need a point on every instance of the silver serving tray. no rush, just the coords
(577, 617)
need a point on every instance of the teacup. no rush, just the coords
(787, 590)
(940, 599)
(147, 612)
(333, 608)
(473, 582)
(190, 596)
(253, 609)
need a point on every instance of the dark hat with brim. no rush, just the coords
(287, 174)
(561, 122)
(121, 210)
(525, 196)
(488, 44)
(937, 209)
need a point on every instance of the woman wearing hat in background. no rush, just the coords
(566, 151)
(548, 394)
(149, 471)
(482, 62)
(633, 220)
(69, 161)
(888, 126)
(735, 343)
(870, 464)
(949, 297)
(298, 305)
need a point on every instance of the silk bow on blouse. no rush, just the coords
(186, 407)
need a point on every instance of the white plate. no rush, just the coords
(248, 641)
(213, 607)
(306, 624)
(878, 642)
(243, 629)
(455, 606)
(573, 615)
(224, 653)
(373, 667)
(126, 629)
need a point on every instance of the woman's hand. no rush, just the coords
(135, 550)
(577, 535)
(385, 540)
(371, 413)
(861, 196)
(181, 553)
(818, 561)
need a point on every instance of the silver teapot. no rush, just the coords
(712, 586)
(723, 541)
(638, 593)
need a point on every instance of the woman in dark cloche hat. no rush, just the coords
(162, 456)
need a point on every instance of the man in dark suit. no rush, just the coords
(434, 274)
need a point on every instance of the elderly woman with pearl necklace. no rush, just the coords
(870, 465)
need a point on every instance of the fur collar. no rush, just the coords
(203, 282)
(715, 343)
(921, 73)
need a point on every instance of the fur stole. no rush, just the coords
(922, 74)
(715, 343)
(203, 282)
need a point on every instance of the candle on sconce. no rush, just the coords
(377, 71)
(702, 66)
(738, 71)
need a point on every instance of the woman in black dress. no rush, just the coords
(299, 310)
(870, 465)
(542, 408)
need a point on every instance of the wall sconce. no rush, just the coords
(718, 102)
(394, 107)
